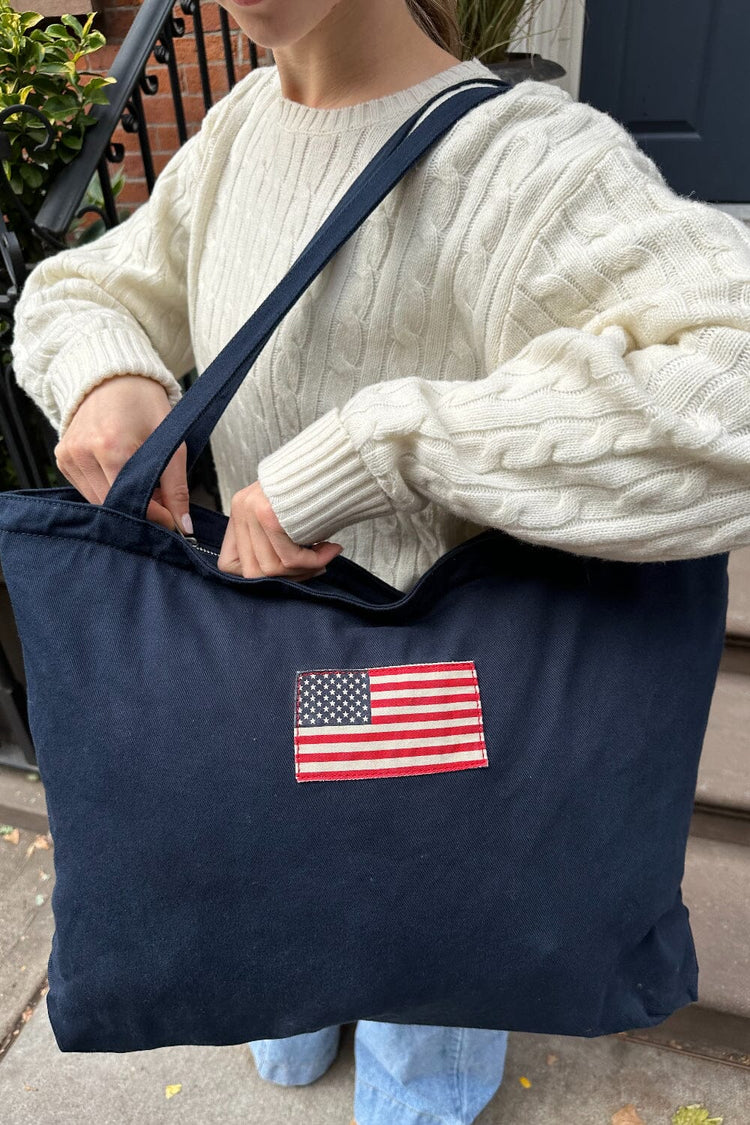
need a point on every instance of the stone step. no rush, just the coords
(724, 774)
(738, 615)
(716, 891)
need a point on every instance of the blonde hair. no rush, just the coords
(439, 19)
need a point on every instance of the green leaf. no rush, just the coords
(94, 40)
(71, 21)
(60, 106)
(44, 85)
(694, 1115)
(72, 140)
(52, 66)
(58, 31)
(28, 19)
(98, 98)
(32, 175)
(33, 55)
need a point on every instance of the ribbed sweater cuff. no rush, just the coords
(317, 483)
(77, 369)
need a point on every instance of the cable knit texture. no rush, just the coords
(532, 331)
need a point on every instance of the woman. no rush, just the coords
(531, 332)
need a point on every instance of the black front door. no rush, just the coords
(676, 74)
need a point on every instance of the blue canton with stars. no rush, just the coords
(328, 699)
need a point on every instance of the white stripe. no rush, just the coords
(418, 693)
(464, 673)
(470, 706)
(388, 763)
(389, 744)
(383, 728)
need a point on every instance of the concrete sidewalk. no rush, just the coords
(590, 1081)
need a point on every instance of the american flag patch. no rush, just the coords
(384, 722)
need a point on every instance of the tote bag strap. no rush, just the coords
(195, 414)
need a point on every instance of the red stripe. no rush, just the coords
(413, 752)
(383, 735)
(424, 716)
(394, 771)
(415, 668)
(423, 701)
(404, 685)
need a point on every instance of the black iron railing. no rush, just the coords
(27, 439)
(153, 33)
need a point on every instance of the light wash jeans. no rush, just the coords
(405, 1074)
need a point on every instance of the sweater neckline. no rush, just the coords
(299, 118)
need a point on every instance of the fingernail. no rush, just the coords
(187, 523)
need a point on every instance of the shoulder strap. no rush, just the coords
(195, 415)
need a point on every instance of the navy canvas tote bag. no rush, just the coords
(280, 805)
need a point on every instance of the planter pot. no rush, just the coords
(520, 66)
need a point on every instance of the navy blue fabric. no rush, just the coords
(203, 895)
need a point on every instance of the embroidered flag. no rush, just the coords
(384, 722)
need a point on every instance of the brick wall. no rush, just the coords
(114, 19)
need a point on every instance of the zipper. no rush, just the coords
(194, 543)
(206, 550)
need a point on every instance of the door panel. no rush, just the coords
(675, 73)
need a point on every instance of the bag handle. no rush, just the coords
(194, 416)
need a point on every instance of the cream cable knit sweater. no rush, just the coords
(532, 331)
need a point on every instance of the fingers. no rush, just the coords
(253, 557)
(265, 528)
(111, 422)
(248, 551)
(292, 555)
(159, 514)
(237, 555)
(92, 470)
(84, 472)
(175, 495)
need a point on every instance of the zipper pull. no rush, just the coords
(190, 538)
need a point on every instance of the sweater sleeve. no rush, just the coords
(117, 305)
(616, 425)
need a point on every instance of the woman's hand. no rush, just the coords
(111, 422)
(255, 544)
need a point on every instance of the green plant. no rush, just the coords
(34, 425)
(39, 68)
(487, 26)
(81, 230)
